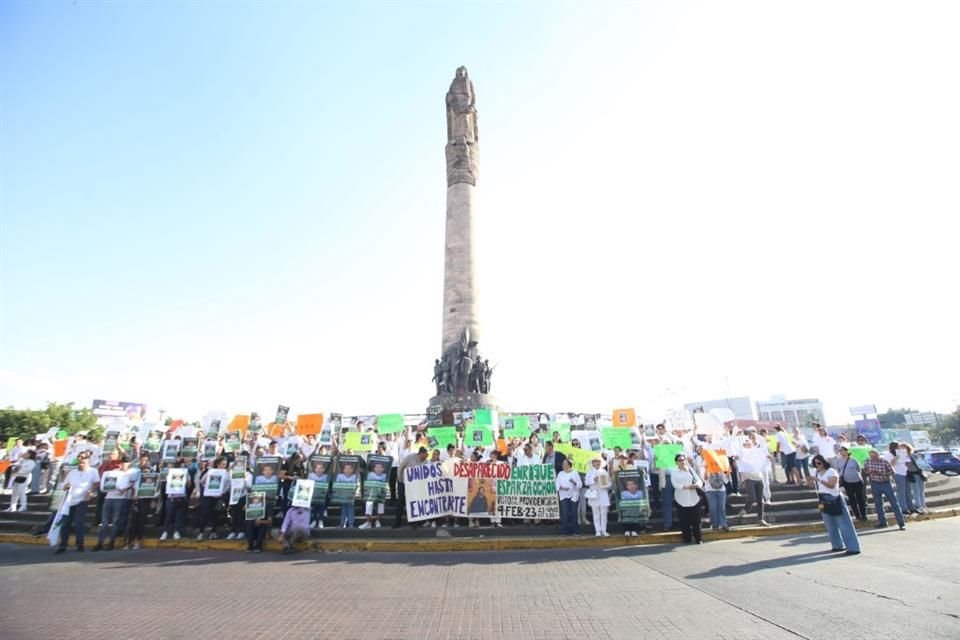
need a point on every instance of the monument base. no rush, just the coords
(464, 402)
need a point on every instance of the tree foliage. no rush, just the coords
(948, 432)
(894, 418)
(27, 423)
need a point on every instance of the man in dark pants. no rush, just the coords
(80, 486)
(410, 460)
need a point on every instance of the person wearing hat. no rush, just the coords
(115, 487)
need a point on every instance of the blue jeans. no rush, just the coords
(114, 518)
(840, 529)
(717, 501)
(346, 515)
(881, 490)
(568, 517)
(666, 503)
(317, 509)
(904, 496)
(74, 524)
(917, 488)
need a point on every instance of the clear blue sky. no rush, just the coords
(227, 206)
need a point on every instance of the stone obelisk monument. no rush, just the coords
(461, 375)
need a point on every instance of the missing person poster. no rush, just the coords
(266, 479)
(319, 472)
(189, 448)
(346, 481)
(149, 485)
(171, 450)
(282, 413)
(231, 441)
(216, 483)
(632, 502)
(302, 495)
(256, 506)
(529, 492)
(209, 450)
(176, 483)
(375, 484)
(152, 443)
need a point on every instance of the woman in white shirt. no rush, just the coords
(897, 456)
(685, 485)
(22, 471)
(568, 488)
(598, 495)
(833, 509)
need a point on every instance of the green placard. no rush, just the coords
(356, 441)
(483, 416)
(666, 454)
(390, 423)
(516, 427)
(478, 435)
(562, 428)
(616, 437)
(444, 436)
(860, 454)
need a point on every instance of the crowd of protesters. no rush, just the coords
(86, 477)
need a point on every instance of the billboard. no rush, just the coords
(869, 429)
(111, 409)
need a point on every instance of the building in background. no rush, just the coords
(791, 413)
(742, 407)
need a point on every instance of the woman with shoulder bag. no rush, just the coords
(685, 485)
(833, 509)
(851, 481)
(22, 472)
(916, 480)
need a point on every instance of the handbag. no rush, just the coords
(830, 505)
(591, 494)
(842, 472)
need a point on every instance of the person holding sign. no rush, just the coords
(80, 486)
(178, 487)
(214, 483)
(258, 521)
(115, 486)
(685, 485)
(345, 488)
(598, 495)
(147, 488)
(375, 491)
(851, 481)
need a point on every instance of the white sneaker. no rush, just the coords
(319, 524)
(377, 525)
(176, 535)
(241, 535)
(606, 535)
(163, 536)
(212, 536)
(232, 536)
(433, 525)
(365, 525)
(598, 534)
(200, 536)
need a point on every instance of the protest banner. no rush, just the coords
(665, 455)
(254, 424)
(616, 437)
(110, 441)
(481, 487)
(485, 417)
(231, 441)
(216, 483)
(148, 485)
(516, 427)
(375, 482)
(356, 441)
(171, 450)
(390, 423)
(624, 418)
(238, 468)
(590, 440)
(256, 506)
(320, 474)
(708, 424)
(309, 424)
(189, 447)
(239, 423)
(176, 482)
(212, 422)
(109, 480)
(60, 448)
(282, 413)
(430, 494)
(440, 437)
(860, 453)
(346, 480)
(209, 450)
(530, 492)
(302, 493)
(434, 415)
(633, 505)
(152, 443)
(57, 495)
(478, 435)
(265, 478)
(715, 460)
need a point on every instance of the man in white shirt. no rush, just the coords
(568, 488)
(526, 457)
(788, 455)
(115, 484)
(80, 486)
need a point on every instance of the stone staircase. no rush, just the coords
(791, 505)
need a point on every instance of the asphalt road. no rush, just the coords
(904, 584)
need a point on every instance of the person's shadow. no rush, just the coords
(759, 565)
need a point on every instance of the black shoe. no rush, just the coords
(80, 549)
(852, 553)
(109, 547)
(879, 526)
(841, 550)
(99, 547)
(59, 551)
(903, 527)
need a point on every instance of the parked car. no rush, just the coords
(943, 461)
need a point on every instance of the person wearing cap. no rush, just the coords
(115, 487)
(79, 486)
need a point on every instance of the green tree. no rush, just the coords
(948, 433)
(893, 418)
(27, 423)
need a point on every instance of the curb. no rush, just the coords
(489, 544)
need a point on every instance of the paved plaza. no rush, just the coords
(772, 588)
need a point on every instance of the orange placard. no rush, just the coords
(59, 448)
(239, 423)
(4, 465)
(717, 460)
(309, 424)
(502, 446)
(624, 418)
(275, 430)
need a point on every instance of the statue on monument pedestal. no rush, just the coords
(487, 373)
(440, 376)
(461, 109)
